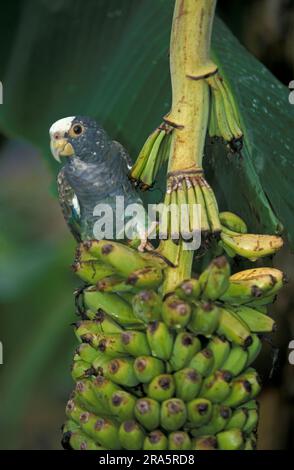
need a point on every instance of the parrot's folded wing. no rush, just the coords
(70, 205)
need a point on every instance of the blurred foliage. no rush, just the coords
(35, 291)
(108, 59)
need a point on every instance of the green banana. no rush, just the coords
(156, 440)
(101, 430)
(189, 289)
(92, 271)
(91, 327)
(244, 291)
(188, 383)
(194, 222)
(175, 226)
(175, 312)
(106, 323)
(121, 372)
(122, 405)
(251, 405)
(114, 305)
(110, 345)
(160, 340)
(145, 278)
(185, 347)
(224, 119)
(146, 368)
(77, 440)
(199, 411)
(236, 360)
(138, 167)
(179, 440)
(231, 439)
(238, 419)
(241, 391)
(262, 302)
(204, 319)
(86, 397)
(253, 350)
(173, 414)
(202, 362)
(135, 343)
(233, 329)
(250, 443)
(219, 418)
(220, 348)
(205, 443)
(250, 375)
(147, 412)
(86, 353)
(233, 222)
(161, 388)
(257, 322)
(147, 306)
(154, 153)
(211, 207)
(216, 387)
(251, 423)
(131, 435)
(204, 222)
(182, 200)
(81, 369)
(104, 390)
(214, 280)
(114, 284)
(123, 259)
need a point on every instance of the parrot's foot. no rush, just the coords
(145, 245)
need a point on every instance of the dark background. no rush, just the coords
(36, 284)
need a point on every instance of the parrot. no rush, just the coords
(95, 173)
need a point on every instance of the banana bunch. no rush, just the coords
(224, 119)
(154, 154)
(236, 241)
(169, 372)
(190, 208)
(115, 267)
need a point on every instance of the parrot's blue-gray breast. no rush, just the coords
(93, 184)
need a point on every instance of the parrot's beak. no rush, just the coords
(61, 148)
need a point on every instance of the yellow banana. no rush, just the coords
(253, 246)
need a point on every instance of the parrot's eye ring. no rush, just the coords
(77, 130)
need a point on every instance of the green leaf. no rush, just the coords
(258, 185)
(109, 59)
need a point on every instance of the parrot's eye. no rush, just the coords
(77, 130)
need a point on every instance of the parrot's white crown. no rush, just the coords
(61, 126)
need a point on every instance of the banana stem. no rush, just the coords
(189, 66)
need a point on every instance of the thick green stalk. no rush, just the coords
(189, 65)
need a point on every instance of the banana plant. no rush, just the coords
(165, 354)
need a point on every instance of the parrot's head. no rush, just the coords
(78, 137)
